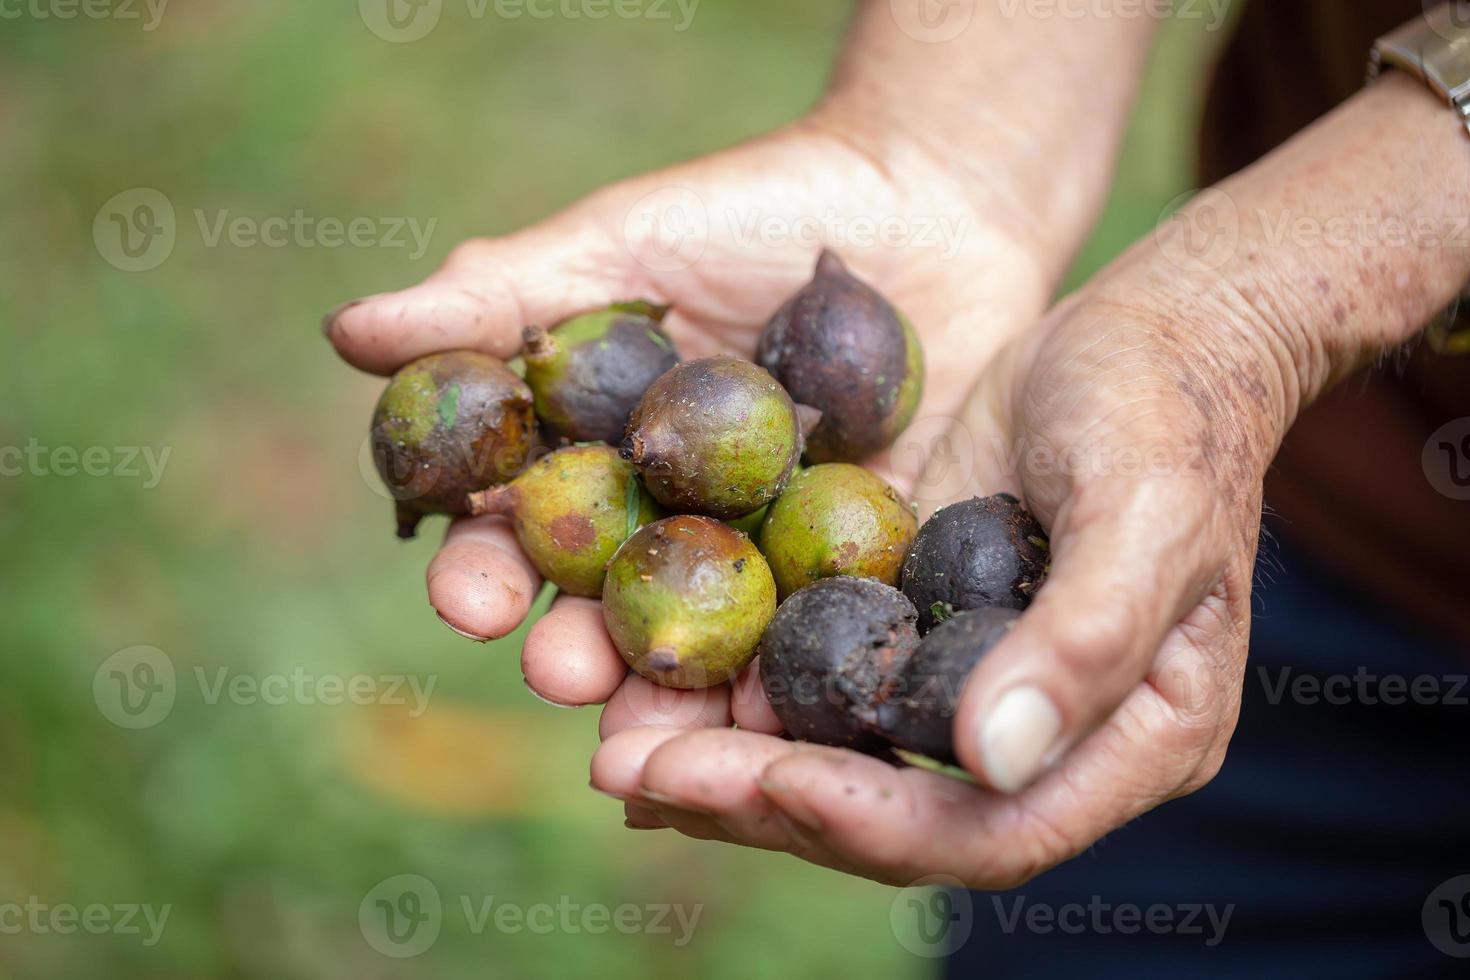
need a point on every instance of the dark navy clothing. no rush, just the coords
(1328, 828)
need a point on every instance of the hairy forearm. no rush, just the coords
(1022, 105)
(1340, 244)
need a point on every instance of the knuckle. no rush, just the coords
(1098, 638)
(1209, 767)
(1043, 845)
(470, 253)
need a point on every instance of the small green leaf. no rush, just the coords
(449, 406)
(631, 502)
(641, 307)
(942, 612)
(924, 762)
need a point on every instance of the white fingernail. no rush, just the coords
(464, 633)
(545, 700)
(1016, 737)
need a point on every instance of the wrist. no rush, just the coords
(1023, 112)
(1045, 211)
(1341, 244)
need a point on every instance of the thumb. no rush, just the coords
(1130, 559)
(485, 293)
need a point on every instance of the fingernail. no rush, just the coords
(464, 633)
(543, 698)
(1016, 737)
(330, 320)
(795, 832)
(645, 826)
(672, 801)
(637, 817)
(791, 803)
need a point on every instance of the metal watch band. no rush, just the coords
(1436, 49)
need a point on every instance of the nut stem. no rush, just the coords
(538, 344)
(807, 419)
(495, 500)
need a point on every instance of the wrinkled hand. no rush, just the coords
(1135, 430)
(1137, 420)
(721, 240)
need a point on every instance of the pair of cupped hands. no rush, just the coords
(1117, 690)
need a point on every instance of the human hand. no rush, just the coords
(1137, 421)
(1112, 421)
(966, 280)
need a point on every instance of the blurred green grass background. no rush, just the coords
(263, 549)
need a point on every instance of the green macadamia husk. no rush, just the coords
(686, 600)
(571, 510)
(836, 519)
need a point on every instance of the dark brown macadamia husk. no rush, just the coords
(983, 552)
(919, 713)
(840, 347)
(829, 655)
(446, 426)
(589, 373)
